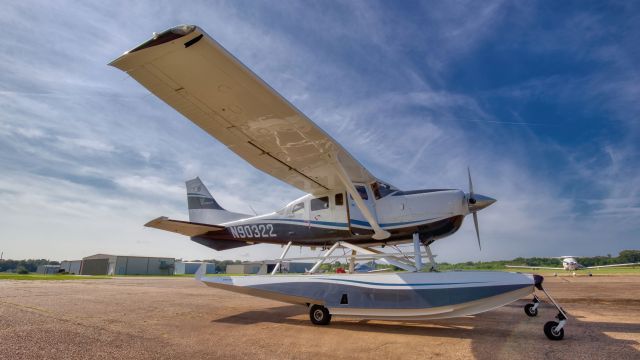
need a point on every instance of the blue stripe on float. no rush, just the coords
(425, 284)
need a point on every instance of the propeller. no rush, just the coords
(477, 202)
(472, 201)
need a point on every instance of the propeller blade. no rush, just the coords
(475, 222)
(470, 183)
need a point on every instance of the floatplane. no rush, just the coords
(345, 206)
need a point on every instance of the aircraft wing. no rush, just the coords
(533, 267)
(195, 75)
(182, 227)
(613, 265)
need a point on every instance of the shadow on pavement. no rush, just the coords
(502, 333)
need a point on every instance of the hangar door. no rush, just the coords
(95, 267)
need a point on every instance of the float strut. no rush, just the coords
(417, 251)
(352, 262)
(427, 246)
(324, 257)
(284, 253)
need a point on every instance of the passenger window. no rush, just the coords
(298, 208)
(339, 199)
(362, 191)
(320, 203)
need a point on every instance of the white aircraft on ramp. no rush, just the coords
(569, 263)
(346, 205)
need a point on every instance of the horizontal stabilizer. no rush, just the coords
(182, 227)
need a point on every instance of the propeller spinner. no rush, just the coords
(477, 202)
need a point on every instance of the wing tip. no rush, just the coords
(151, 223)
(160, 38)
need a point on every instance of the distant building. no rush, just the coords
(48, 269)
(71, 266)
(247, 268)
(296, 267)
(190, 267)
(266, 267)
(104, 264)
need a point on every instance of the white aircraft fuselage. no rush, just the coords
(570, 264)
(321, 220)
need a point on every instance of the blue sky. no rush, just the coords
(541, 99)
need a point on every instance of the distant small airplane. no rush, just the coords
(569, 263)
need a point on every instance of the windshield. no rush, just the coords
(382, 189)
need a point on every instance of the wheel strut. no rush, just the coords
(553, 330)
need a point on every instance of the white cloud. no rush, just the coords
(88, 156)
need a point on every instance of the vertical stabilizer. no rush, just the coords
(204, 209)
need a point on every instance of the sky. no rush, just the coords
(540, 99)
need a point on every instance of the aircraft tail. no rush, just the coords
(204, 209)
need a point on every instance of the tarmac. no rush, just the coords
(158, 318)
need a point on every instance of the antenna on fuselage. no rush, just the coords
(254, 210)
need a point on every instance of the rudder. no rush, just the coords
(203, 208)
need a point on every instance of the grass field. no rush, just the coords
(595, 272)
(11, 276)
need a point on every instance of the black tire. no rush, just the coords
(319, 315)
(530, 311)
(550, 331)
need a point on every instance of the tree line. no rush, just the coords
(625, 256)
(29, 265)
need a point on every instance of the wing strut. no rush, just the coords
(379, 234)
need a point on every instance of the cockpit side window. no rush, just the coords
(376, 190)
(298, 208)
(383, 189)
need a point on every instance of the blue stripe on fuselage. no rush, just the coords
(354, 222)
(326, 223)
(366, 223)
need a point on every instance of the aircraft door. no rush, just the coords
(356, 219)
(340, 213)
